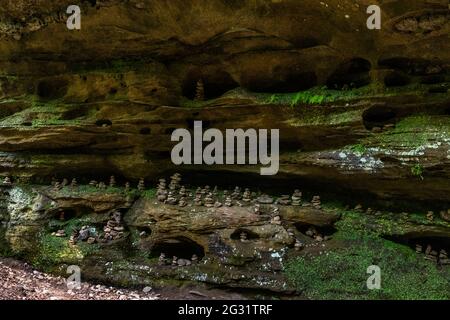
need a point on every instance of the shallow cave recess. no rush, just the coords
(180, 247)
(419, 67)
(437, 243)
(282, 81)
(378, 116)
(215, 84)
(351, 74)
(53, 88)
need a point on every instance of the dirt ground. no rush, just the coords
(19, 281)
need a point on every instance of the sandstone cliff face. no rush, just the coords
(106, 98)
(361, 112)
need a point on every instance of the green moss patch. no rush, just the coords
(342, 274)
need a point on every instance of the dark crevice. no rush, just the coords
(396, 79)
(350, 74)
(215, 84)
(103, 122)
(145, 131)
(411, 66)
(52, 88)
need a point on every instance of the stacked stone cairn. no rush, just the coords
(171, 199)
(228, 201)
(198, 198)
(236, 195)
(112, 181)
(431, 254)
(175, 180)
(162, 261)
(182, 202)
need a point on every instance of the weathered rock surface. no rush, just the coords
(214, 235)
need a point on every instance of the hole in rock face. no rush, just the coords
(350, 74)
(236, 235)
(378, 116)
(205, 123)
(52, 88)
(432, 79)
(169, 130)
(103, 122)
(145, 131)
(27, 124)
(282, 81)
(323, 231)
(396, 79)
(180, 247)
(215, 84)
